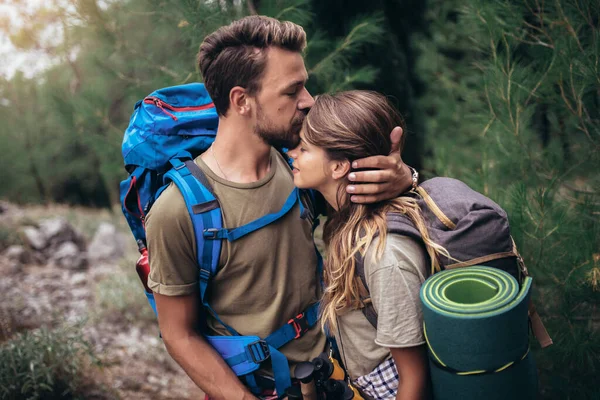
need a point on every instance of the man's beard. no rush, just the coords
(279, 138)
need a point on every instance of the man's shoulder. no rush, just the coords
(170, 205)
(281, 160)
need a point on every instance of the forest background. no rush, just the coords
(504, 95)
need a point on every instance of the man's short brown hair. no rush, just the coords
(234, 55)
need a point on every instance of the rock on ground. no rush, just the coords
(107, 244)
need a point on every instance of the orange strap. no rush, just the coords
(538, 328)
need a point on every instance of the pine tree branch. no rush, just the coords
(569, 27)
(577, 113)
(348, 41)
(586, 16)
(536, 43)
(532, 93)
(251, 7)
(285, 11)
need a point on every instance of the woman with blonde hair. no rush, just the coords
(388, 361)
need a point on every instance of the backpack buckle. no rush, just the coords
(258, 351)
(210, 233)
(300, 325)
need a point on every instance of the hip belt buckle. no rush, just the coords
(258, 351)
(300, 325)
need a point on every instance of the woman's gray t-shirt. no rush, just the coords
(394, 282)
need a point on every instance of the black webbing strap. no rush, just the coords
(504, 367)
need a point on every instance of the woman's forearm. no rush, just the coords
(411, 363)
(411, 389)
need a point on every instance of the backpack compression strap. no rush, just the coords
(242, 353)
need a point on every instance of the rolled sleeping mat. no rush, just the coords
(477, 330)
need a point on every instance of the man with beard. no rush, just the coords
(254, 71)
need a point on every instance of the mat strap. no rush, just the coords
(538, 328)
(441, 365)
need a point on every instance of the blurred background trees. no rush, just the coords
(503, 95)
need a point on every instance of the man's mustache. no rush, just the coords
(298, 120)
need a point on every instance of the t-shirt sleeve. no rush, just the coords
(394, 284)
(171, 247)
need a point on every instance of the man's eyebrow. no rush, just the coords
(296, 83)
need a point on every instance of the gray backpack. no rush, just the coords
(470, 226)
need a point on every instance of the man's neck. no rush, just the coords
(238, 154)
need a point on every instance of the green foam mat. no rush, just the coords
(477, 330)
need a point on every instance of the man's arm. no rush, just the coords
(177, 317)
(388, 178)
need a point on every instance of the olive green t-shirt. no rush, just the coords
(264, 279)
(394, 283)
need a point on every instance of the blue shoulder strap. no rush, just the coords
(204, 211)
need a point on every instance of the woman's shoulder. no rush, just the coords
(398, 251)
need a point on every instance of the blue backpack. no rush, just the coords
(167, 131)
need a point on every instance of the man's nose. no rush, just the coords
(306, 101)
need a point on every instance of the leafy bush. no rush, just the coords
(44, 364)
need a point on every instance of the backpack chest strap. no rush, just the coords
(241, 231)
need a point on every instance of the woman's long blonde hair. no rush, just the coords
(348, 126)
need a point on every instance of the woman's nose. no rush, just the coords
(293, 153)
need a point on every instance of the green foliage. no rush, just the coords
(44, 364)
(62, 130)
(8, 237)
(297, 11)
(329, 60)
(332, 67)
(513, 111)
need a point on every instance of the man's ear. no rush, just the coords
(239, 101)
(339, 169)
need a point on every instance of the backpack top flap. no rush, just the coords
(168, 122)
(466, 223)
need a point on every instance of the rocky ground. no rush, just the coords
(52, 275)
